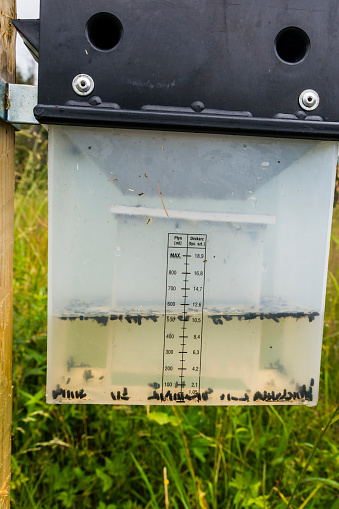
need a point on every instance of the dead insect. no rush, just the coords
(82, 394)
(155, 396)
(154, 385)
(101, 320)
(87, 375)
(228, 318)
(70, 363)
(169, 395)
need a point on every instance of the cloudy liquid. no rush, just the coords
(146, 359)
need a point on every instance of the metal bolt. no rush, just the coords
(309, 100)
(198, 106)
(83, 84)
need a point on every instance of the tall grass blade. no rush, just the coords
(311, 495)
(145, 478)
(315, 446)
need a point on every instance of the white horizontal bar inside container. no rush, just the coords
(193, 215)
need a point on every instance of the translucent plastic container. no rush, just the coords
(185, 267)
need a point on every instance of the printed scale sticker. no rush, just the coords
(184, 317)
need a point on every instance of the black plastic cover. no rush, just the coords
(213, 65)
(29, 29)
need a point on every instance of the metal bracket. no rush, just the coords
(17, 103)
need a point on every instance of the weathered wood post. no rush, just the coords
(7, 72)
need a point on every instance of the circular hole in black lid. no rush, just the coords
(292, 45)
(104, 31)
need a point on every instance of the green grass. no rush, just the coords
(113, 457)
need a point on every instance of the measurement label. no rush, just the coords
(184, 306)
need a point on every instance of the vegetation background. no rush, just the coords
(114, 457)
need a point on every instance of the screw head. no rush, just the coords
(83, 84)
(309, 100)
(198, 106)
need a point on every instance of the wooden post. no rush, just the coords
(7, 72)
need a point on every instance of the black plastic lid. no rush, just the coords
(266, 67)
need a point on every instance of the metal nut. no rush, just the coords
(309, 100)
(83, 84)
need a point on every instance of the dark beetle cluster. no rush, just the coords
(218, 319)
(118, 396)
(104, 319)
(233, 398)
(302, 394)
(180, 397)
(66, 394)
(276, 317)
